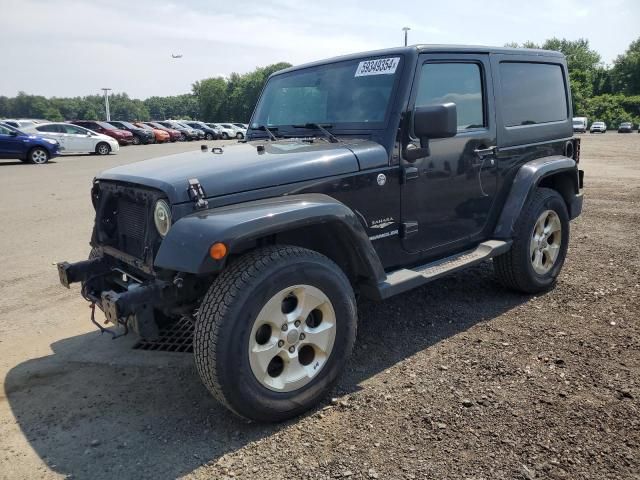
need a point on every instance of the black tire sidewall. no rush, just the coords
(243, 391)
(100, 145)
(550, 200)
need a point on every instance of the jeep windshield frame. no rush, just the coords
(339, 94)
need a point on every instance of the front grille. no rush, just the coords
(132, 222)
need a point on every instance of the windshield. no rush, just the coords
(578, 122)
(128, 125)
(106, 125)
(349, 94)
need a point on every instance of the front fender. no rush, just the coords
(186, 246)
(529, 176)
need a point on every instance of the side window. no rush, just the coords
(72, 129)
(48, 128)
(4, 130)
(532, 93)
(460, 83)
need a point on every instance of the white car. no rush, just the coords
(226, 130)
(238, 132)
(76, 139)
(599, 127)
(21, 124)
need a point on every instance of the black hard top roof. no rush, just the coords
(432, 48)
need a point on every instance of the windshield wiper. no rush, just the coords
(264, 128)
(316, 126)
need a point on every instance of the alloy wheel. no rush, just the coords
(39, 156)
(545, 242)
(292, 338)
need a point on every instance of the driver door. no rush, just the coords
(447, 196)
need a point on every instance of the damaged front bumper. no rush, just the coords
(125, 300)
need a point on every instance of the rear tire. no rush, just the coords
(248, 359)
(38, 156)
(539, 246)
(225, 136)
(239, 136)
(209, 136)
(136, 140)
(103, 148)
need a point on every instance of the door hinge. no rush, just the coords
(408, 228)
(409, 173)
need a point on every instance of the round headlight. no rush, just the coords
(162, 217)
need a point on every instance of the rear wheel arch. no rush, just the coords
(565, 183)
(558, 173)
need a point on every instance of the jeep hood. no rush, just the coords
(249, 166)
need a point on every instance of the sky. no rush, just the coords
(73, 48)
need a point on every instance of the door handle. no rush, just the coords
(484, 152)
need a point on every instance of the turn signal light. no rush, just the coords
(218, 251)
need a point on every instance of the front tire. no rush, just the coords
(136, 140)
(274, 332)
(539, 246)
(38, 156)
(239, 136)
(225, 136)
(103, 148)
(209, 136)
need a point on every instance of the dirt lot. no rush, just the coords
(459, 379)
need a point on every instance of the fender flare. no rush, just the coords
(524, 184)
(186, 246)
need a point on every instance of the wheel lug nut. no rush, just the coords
(297, 323)
(284, 327)
(302, 336)
(280, 343)
(292, 349)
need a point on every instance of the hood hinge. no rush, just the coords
(197, 194)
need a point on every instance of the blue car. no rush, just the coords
(28, 148)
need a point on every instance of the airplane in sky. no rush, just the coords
(176, 56)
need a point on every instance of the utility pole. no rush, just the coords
(405, 30)
(106, 102)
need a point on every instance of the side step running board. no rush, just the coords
(405, 279)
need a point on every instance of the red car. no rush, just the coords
(174, 134)
(122, 136)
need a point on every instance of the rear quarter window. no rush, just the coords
(532, 93)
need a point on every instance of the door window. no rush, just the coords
(50, 129)
(460, 83)
(4, 130)
(73, 130)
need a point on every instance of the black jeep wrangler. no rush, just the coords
(368, 175)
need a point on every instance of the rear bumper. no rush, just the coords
(575, 208)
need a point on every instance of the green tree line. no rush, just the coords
(600, 93)
(216, 99)
(606, 93)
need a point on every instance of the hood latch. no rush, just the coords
(197, 195)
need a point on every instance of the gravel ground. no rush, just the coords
(459, 379)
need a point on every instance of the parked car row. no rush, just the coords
(37, 141)
(580, 125)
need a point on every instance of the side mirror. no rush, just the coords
(435, 121)
(429, 122)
